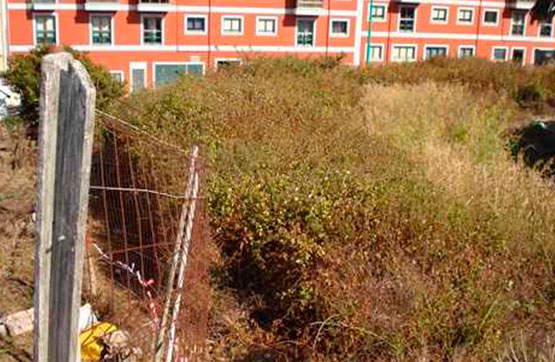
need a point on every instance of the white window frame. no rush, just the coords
(195, 32)
(414, 21)
(314, 28)
(473, 47)
(496, 18)
(523, 54)
(163, 24)
(120, 72)
(446, 8)
(348, 21)
(56, 24)
(540, 22)
(460, 10)
(382, 47)
(378, 20)
(415, 46)
(512, 23)
(445, 46)
(217, 60)
(94, 15)
(499, 60)
(276, 21)
(232, 17)
(137, 65)
(154, 64)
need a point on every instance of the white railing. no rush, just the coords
(310, 4)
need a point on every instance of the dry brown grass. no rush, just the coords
(17, 182)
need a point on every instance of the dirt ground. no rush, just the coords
(17, 191)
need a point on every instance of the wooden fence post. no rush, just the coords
(67, 102)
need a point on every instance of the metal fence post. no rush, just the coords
(67, 101)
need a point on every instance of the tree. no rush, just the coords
(24, 75)
(544, 8)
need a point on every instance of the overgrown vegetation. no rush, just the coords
(370, 216)
(531, 87)
(24, 74)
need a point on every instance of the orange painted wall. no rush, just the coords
(178, 46)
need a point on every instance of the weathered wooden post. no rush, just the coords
(67, 101)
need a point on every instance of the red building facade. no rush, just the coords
(147, 42)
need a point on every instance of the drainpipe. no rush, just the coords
(209, 35)
(329, 25)
(369, 32)
(479, 19)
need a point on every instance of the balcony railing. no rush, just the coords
(153, 5)
(44, 4)
(523, 4)
(310, 4)
(101, 5)
(154, 2)
(305, 39)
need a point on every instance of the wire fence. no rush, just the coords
(147, 244)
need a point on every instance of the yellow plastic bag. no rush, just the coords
(90, 339)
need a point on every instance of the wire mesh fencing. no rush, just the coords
(146, 268)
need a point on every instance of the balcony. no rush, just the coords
(309, 7)
(522, 4)
(101, 5)
(44, 5)
(153, 6)
(310, 4)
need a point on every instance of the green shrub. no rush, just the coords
(531, 95)
(24, 75)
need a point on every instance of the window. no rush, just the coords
(101, 29)
(339, 28)
(491, 17)
(499, 54)
(517, 23)
(138, 76)
(404, 53)
(517, 55)
(232, 25)
(439, 15)
(544, 56)
(546, 28)
(465, 16)
(305, 32)
(165, 73)
(266, 26)
(407, 18)
(376, 52)
(466, 51)
(435, 51)
(45, 29)
(152, 30)
(227, 63)
(195, 24)
(378, 12)
(117, 75)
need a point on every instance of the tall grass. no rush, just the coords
(365, 220)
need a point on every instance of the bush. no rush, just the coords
(531, 95)
(527, 85)
(24, 75)
(377, 222)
